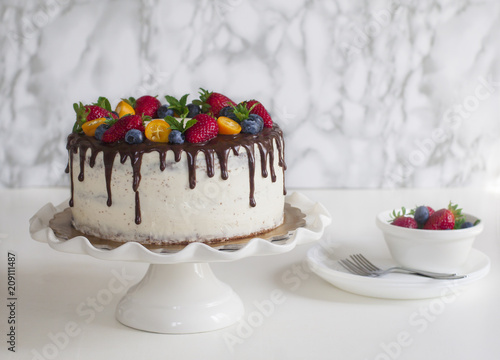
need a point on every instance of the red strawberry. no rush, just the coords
(215, 102)
(444, 219)
(206, 128)
(147, 105)
(431, 210)
(260, 110)
(118, 130)
(400, 219)
(405, 221)
(97, 110)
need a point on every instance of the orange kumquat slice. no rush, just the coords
(90, 126)
(228, 126)
(157, 130)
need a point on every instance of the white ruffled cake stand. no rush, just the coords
(179, 293)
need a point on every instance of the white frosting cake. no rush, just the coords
(159, 193)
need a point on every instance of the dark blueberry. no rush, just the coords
(176, 137)
(193, 110)
(163, 111)
(258, 119)
(117, 116)
(421, 215)
(228, 111)
(466, 225)
(134, 136)
(101, 129)
(250, 126)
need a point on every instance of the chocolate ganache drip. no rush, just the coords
(221, 146)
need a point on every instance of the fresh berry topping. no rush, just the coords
(96, 112)
(445, 219)
(400, 219)
(134, 136)
(204, 129)
(157, 130)
(421, 215)
(101, 129)
(193, 110)
(121, 127)
(163, 111)
(85, 113)
(466, 224)
(228, 126)
(176, 137)
(124, 108)
(228, 111)
(213, 102)
(238, 113)
(147, 105)
(256, 107)
(252, 125)
(90, 126)
(258, 119)
(442, 219)
(405, 221)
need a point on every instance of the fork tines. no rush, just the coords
(363, 262)
(354, 267)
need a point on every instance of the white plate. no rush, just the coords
(323, 260)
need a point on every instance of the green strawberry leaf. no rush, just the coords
(104, 103)
(81, 116)
(457, 213)
(179, 106)
(171, 100)
(395, 214)
(179, 125)
(458, 223)
(110, 121)
(241, 111)
(190, 123)
(183, 100)
(130, 101)
(204, 94)
(202, 102)
(203, 105)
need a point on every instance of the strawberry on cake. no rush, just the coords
(174, 173)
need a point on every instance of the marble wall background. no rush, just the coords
(399, 93)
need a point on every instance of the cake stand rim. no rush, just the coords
(317, 219)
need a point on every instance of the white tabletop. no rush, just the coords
(65, 303)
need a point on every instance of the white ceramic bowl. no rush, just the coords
(432, 250)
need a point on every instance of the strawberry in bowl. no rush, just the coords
(430, 240)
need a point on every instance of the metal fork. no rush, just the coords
(359, 265)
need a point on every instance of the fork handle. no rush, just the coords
(430, 274)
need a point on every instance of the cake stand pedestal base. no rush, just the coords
(179, 293)
(178, 299)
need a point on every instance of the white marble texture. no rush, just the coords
(400, 93)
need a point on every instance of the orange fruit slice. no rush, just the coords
(228, 126)
(90, 126)
(157, 130)
(124, 108)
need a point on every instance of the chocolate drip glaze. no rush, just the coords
(221, 146)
